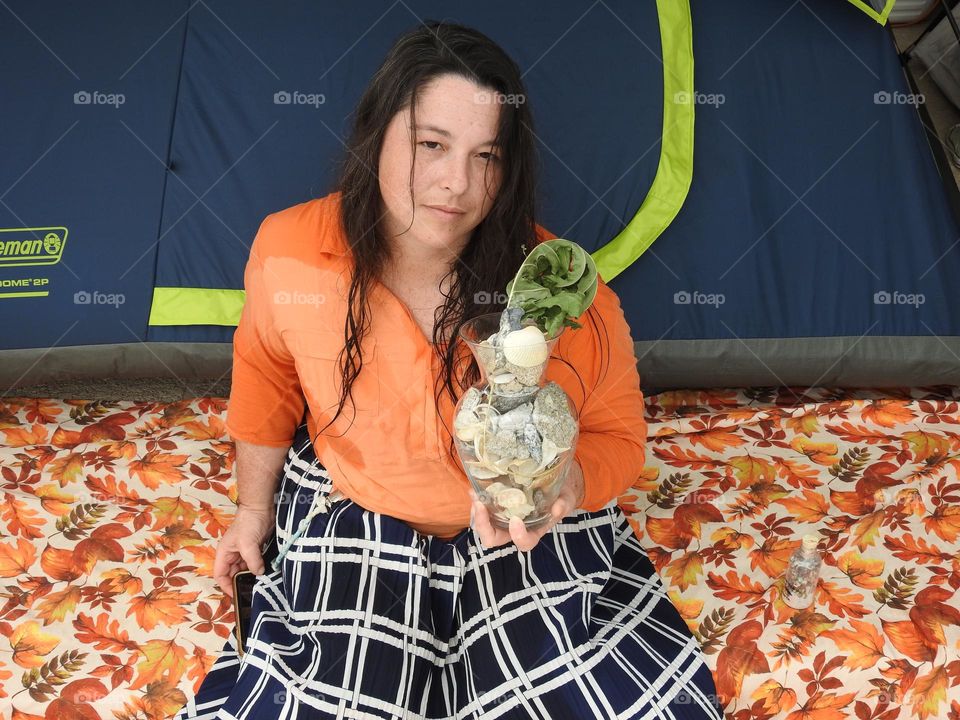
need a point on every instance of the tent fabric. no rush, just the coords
(814, 210)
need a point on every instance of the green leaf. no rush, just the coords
(556, 283)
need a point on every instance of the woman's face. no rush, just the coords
(456, 125)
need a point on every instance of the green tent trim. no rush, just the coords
(675, 170)
(196, 306)
(880, 16)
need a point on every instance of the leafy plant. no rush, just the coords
(556, 283)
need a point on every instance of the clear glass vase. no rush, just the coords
(515, 433)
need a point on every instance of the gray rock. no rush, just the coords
(551, 415)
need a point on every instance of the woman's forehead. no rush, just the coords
(458, 110)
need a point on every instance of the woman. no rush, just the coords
(394, 595)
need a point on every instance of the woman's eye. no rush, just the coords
(489, 156)
(428, 143)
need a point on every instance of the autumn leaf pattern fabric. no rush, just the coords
(735, 478)
(110, 513)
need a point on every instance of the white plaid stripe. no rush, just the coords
(367, 618)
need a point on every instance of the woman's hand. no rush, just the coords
(570, 498)
(239, 548)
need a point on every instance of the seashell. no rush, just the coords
(526, 347)
(502, 378)
(520, 511)
(511, 497)
(481, 472)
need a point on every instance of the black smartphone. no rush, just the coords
(243, 583)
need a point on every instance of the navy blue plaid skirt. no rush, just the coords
(366, 617)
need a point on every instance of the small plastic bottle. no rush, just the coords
(800, 578)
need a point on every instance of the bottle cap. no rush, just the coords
(810, 541)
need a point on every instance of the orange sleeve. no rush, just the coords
(266, 403)
(613, 432)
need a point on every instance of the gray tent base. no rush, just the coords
(842, 362)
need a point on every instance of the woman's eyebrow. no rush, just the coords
(446, 133)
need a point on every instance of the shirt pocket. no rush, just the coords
(316, 354)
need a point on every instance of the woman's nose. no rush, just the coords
(456, 175)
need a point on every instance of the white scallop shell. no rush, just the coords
(526, 347)
(511, 498)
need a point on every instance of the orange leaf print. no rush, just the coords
(819, 453)
(663, 531)
(216, 520)
(931, 612)
(122, 580)
(841, 601)
(30, 644)
(103, 633)
(773, 556)
(905, 637)
(797, 474)
(20, 715)
(204, 555)
(716, 440)
(57, 563)
(865, 530)
(200, 665)
(211, 430)
(888, 412)
(163, 660)
(864, 573)
(109, 428)
(67, 469)
(776, 698)
(170, 510)
(56, 605)
(864, 644)
(927, 445)
(53, 500)
(41, 410)
(806, 424)
(16, 560)
(19, 437)
(20, 518)
(156, 467)
(853, 503)
(688, 609)
(823, 706)
(160, 606)
(739, 658)
(929, 692)
(750, 470)
(945, 522)
(734, 587)
(915, 549)
(76, 698)
(162, 699)
(812, 507)
(697, 507)
(731, 539)
(685, 570)
(101, 545)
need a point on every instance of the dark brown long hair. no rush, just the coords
(498, 244)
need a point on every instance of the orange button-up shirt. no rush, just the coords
(395, 459)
